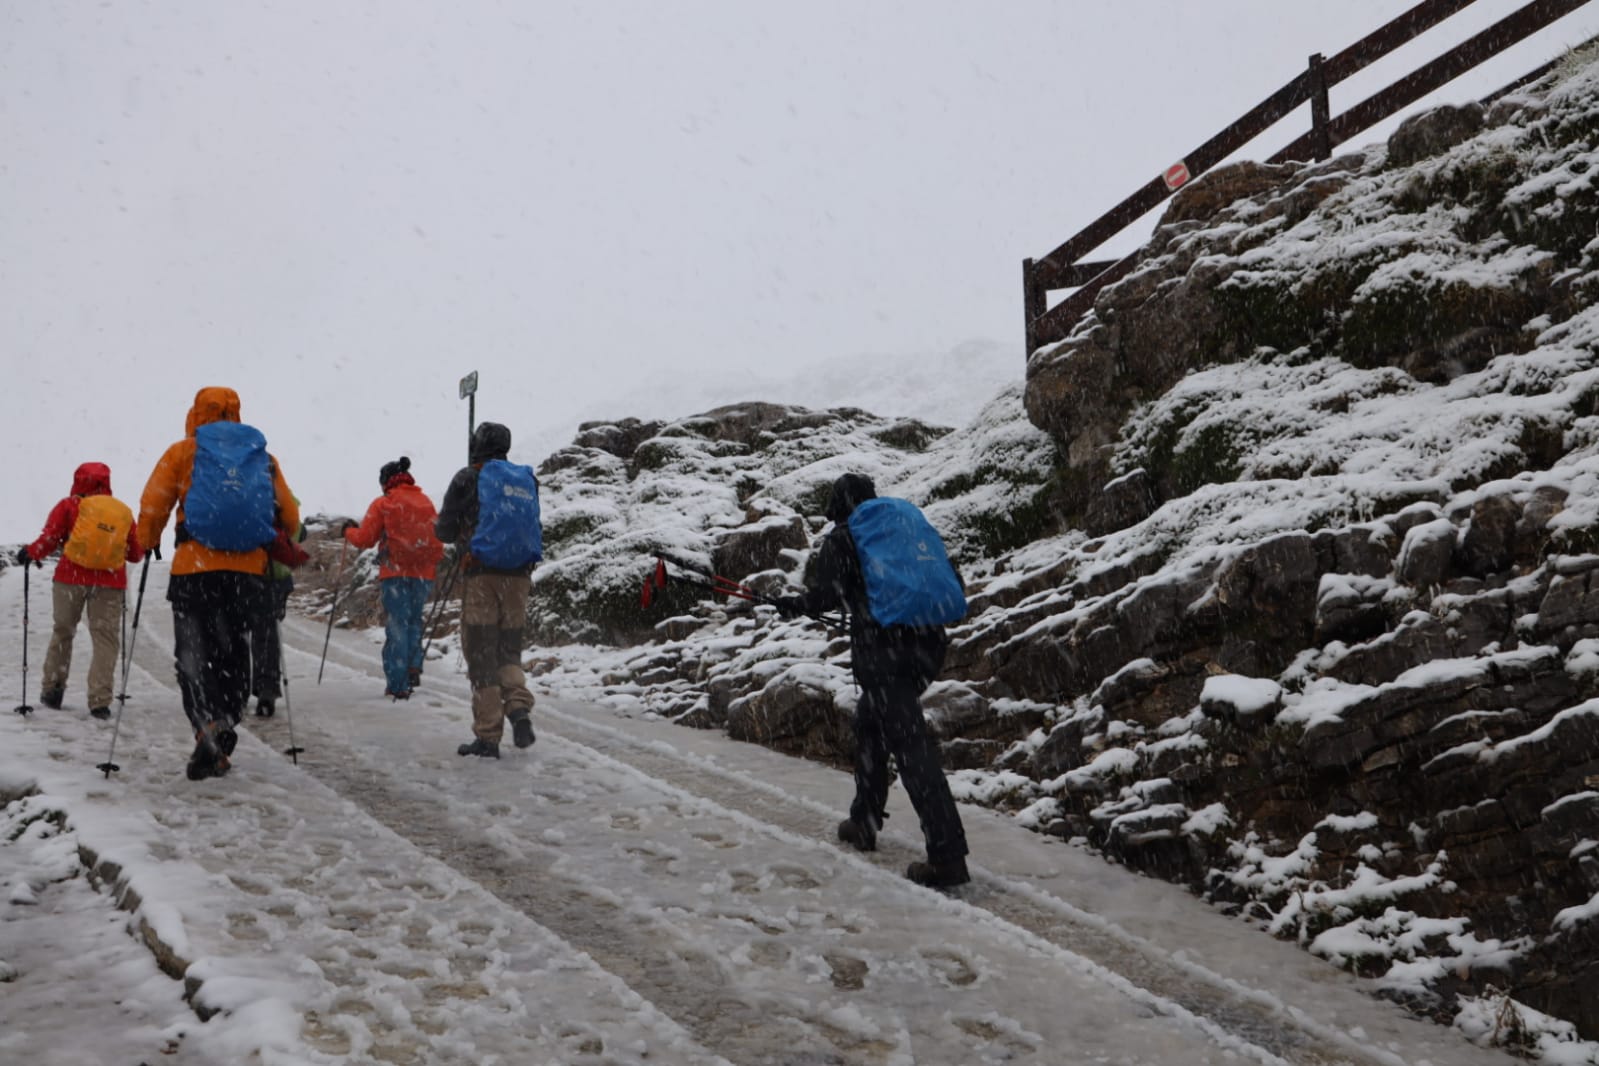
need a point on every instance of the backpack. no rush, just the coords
(99, 537)
(508, 534)
(231, 501)
(909, 579)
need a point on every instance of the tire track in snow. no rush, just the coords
(359, 915)
(1252, 1017)
(1253, 1020)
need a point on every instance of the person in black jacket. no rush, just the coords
(893, 666)
(493, 609)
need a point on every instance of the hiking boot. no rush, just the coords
(939, 874)
(396, 695)
(227, 740)
(52, 697)
(858, 836)
(101, 713)
(522, 730)
(207, 760)
(486, 749)
(265, 708)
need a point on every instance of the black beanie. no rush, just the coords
(390, 469)
(849, 492)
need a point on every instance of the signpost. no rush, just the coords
(469, 394)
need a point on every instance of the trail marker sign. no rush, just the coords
(469, 394)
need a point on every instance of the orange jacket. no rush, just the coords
(401, 520)
(169, 484)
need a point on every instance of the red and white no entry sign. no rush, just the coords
(1176, 176)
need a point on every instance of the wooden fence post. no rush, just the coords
(1035, 300)
(1320, 109)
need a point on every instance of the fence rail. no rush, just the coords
(1065, 267)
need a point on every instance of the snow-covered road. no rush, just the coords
(625, 891)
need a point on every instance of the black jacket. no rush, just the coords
(836, 581)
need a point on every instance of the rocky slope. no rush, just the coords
(1284, 566)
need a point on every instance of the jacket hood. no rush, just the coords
(490, 440)
(849, 492)
(91, 479)
(213, 403)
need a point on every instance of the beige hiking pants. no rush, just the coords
(104, 608)
(493, 616)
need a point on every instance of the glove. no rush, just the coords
(347, 525)
(789, 606)
(23, 558)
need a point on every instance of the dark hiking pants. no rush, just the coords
(888, 721)
(213, 615)
(266, 654)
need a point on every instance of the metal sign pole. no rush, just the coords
(469, 394)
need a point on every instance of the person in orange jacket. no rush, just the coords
(399, 524)
(91, 578)
(219, 586)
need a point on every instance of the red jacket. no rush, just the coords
(402, 521)
(90, 479)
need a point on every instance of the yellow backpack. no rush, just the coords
(99, 538)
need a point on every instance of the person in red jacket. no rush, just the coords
(399, 524)
(97, 540)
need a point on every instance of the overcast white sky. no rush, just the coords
(607, 209)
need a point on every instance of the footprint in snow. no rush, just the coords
(950, 968)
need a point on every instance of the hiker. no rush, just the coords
(231, 499)
(266, 649)
(491, 514)
(97, 536)
(893, 665)
(399, 524)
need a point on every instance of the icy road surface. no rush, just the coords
(625, 891)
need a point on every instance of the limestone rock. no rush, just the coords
(758, 546)
(954, 709)
(1349, 608)
(1220, 188)
(1123, 502)
(1433, 132)
(793, 716)
(620, 439)
(1426, 553)
(1488, 543)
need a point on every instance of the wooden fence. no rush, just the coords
(1064, 268)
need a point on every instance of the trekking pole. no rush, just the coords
(293, 750)
(124, 644)
(716, 584)
(440, 598)
(109, 766)
(25, 708)
(344, 546)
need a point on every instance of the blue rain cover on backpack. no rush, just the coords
(909, 579)
(508, 534)
(231, 500)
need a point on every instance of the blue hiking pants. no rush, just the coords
(404, 600)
